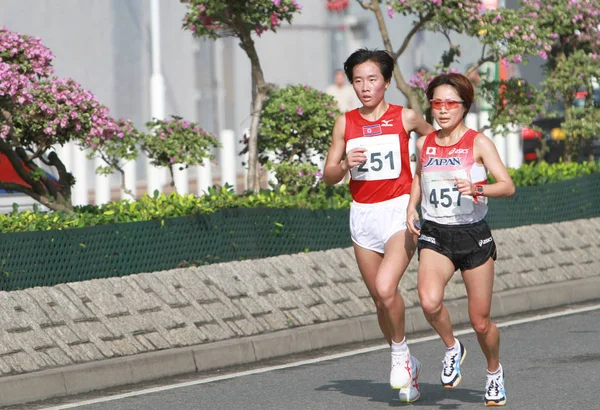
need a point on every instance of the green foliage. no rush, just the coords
(296, 124)
(296, 176)
(117, 151)
(541, 173)
(294, 135)
(321, 196)
(517, 102)
(159, 207)
(178, 141)
(216, 18)
(565, 35)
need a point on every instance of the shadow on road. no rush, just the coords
(431, 394)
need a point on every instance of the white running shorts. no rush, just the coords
(371, 225)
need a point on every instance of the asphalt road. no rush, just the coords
(550, 364)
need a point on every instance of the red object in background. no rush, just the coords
(337, 5)
(8, 173)
(529, 134)
(530, 156)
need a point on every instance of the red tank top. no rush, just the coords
(386, 174)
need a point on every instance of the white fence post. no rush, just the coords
(154, 178)
(514, 144)
(65, 153)
(500, 143)
(484, 121)
(102, 185)
(180, 178)
(204, 179)
(270, 174)
(130, 180)
(246, 132)
(471, 121)
(80, 191)
(228, 159)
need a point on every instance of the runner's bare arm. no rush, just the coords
(415, 122)
(336, 166)
(486, 153)
(415, 191)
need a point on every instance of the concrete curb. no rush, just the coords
(70, 380)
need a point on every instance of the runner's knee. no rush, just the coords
(481, 324)
(386, 293)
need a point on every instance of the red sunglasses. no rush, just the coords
(450, 104)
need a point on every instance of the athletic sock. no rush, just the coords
(400, 347)
(497, 372)
(455, 348)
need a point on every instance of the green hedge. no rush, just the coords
(319, 197)
(55, 256)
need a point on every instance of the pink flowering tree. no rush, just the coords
(37, 111)
(242, 19)
(566, 34)
(464, 17)
(177, 142)
(441, 16)
(169, 143)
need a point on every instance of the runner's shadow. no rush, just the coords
(431, 394)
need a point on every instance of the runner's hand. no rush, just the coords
(355, 157)
(411, 216)
(465, 187)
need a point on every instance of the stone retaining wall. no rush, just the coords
(44, 328)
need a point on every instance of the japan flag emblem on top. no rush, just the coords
(372, 129)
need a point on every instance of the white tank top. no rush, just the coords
(441, 201)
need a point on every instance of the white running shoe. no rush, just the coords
(451, 376)
(400, 375)
(495, 395)
(412, 392)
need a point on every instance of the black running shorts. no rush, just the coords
(467, 246)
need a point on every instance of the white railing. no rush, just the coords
(91, 188)
(101, 189)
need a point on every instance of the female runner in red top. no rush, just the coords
(372, 143)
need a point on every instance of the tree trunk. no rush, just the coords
(260, 94)
(401, 84)
(41, 187)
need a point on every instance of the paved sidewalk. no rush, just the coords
(78, 337)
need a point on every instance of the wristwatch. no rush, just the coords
(478, 189)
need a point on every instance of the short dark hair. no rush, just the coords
(380, 57)
(459, 82)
